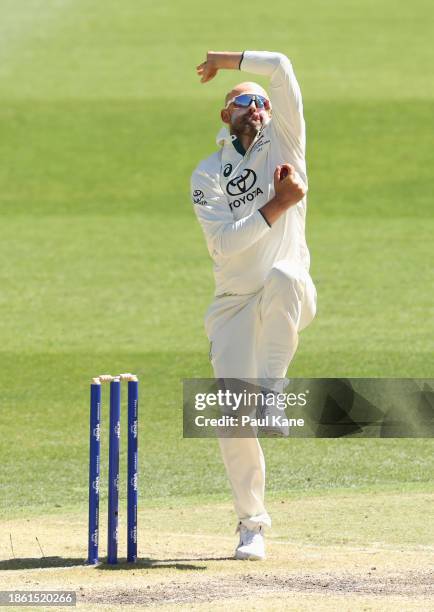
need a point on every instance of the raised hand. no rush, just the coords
(215, 61)
(208, 69)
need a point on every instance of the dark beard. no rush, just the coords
(245, 127)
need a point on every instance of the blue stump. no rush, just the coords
(113, 485)
(94, 473)
(132, 492)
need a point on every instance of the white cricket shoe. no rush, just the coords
(252, 544)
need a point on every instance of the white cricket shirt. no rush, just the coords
(228, 188)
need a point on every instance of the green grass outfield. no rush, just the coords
(104, 267)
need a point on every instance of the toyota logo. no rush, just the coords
(241, 184)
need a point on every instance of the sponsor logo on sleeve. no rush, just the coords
(199, 197)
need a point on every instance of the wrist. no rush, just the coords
(281, 200)
(229, 60)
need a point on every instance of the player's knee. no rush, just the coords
(276, 279)
(283, 282)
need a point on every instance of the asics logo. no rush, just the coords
(227, 170)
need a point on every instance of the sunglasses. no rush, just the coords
(245, 100)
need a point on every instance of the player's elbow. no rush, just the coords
(284, 64)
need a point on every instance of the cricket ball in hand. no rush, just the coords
(283, 173)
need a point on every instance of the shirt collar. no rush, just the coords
(225, 138)
(230, 142)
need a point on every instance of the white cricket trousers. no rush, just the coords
(256, 336)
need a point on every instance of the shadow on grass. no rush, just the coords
(144, 563)
(147, 563)
(37, 563)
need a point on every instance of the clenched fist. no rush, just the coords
(289, 189)
(288, 186)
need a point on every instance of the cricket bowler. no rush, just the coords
(250, 199)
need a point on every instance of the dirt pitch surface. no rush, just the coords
(191, 568)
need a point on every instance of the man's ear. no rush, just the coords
(225, 115)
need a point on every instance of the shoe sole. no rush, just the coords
(243, 557)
